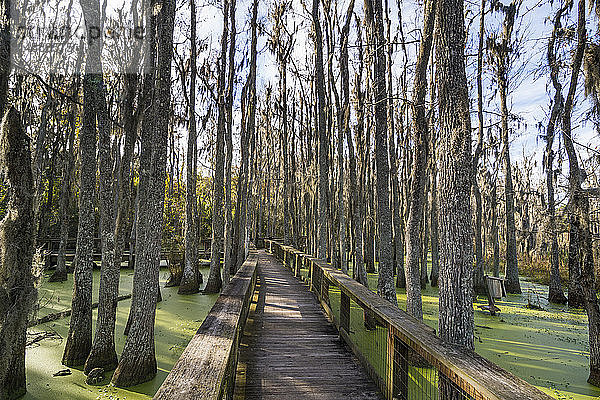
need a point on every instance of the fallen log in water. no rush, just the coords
(66, 313)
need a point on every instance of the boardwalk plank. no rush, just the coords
(290, 351)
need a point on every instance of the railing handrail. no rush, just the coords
(461, 365)
(207, 366)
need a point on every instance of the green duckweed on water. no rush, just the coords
(548, 348)
(177, 319)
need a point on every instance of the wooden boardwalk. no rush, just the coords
(289, 350)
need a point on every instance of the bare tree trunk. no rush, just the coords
(395, 195)
(124, 221)
(419, 165)
(555, 292)
(433, 214)
(79, 339)
(385, 283)
(456, 229)
(356, 178)
(103, 353)
(425, 238)
(581, 262)
(17, 291)
(60, 274)
(501, 51)
(495, 237)
(249, 137)
(478, 276)
(322, 131)
(227, 251)
(512, 269)
(138, 361)
(190, 279)
(345, 133)
(214, 282)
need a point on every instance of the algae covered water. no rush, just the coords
(177, 319)
(548, 347)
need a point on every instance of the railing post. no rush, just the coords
(324, 288)
(298, 259)
(397, 379)
(344, 312)
(311, 274)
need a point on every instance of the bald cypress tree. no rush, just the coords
(214, 282)
(455, 174)
(418, 170)
(323, 154)
(385, 284)
(17, 291)
(138, 361)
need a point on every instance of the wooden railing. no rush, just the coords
(171, 252)
(403, 356)
(207, 367)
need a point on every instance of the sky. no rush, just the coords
(529, 97)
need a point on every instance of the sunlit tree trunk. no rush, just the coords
(418, 171)
(138, 360)
(385, 283)
(581, 263)
(323, 155)
(214, 282)
(190, 279)
(555, 292)
(227, 251)
(455, 173)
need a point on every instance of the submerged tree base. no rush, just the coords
(13, 392)
(102, 358)
(594, 378)
(76, 353)
(190, 286)
(58, 276)
(557, 297)
(512, 287)
(135, 370)
(213, 285)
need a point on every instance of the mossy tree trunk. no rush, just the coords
(555, 292)
(214, 282)
(416, 200)
(17, 291)
(138, 360)
(190, 282)
(580, 240)
(79, 339)
(323, 154)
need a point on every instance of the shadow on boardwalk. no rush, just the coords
(290, 350)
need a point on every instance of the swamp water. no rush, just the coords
(177, 319)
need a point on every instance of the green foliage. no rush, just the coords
(175, 209)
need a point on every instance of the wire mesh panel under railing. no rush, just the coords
(402, 355)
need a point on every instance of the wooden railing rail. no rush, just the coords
(207, 367)
(404, 357)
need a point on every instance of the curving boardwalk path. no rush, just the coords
(290, 350)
